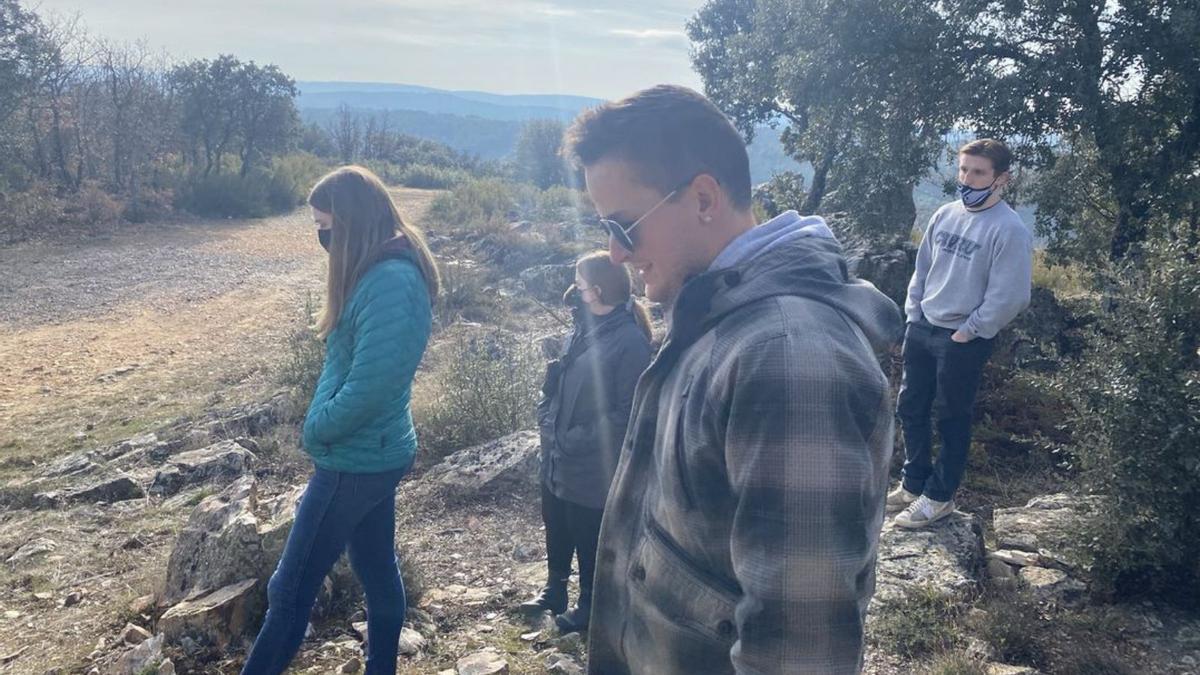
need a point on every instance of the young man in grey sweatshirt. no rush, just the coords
(973, 276)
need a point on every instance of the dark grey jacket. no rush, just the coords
(741, 529)
(585, 405)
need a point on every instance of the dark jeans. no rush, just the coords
(570, 529)
(338, 510)
(939, 375)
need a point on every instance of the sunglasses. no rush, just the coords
(623, 234)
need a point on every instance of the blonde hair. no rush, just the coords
(364, 219)
(614, 283)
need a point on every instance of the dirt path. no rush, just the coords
(101, 339)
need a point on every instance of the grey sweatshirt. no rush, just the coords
(974, 270)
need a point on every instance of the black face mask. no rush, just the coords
(573, 298)
(324, 236)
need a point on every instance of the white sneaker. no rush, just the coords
(899, 499)
(924, 512)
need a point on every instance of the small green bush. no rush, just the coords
(305, 356)
(477, 204)
(1135, 415)
(482, 387)
(464, 295)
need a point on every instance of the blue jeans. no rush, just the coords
(940, 376)
(338, 510)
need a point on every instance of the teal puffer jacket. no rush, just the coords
(359, 420)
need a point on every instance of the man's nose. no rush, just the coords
(616, 252)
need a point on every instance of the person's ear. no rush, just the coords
(709, 197)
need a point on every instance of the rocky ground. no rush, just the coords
(149, 470)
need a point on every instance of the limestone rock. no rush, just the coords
(487, 662)
(219, 545)
(571, 643)
(504, 463)
(1051, 585)
(1048, 526)
(948, 555)
(225, 460)
(411, 642)
(563, 663)
(37, 547)
(110, 490)
(74, 464)
(133, 634)
(219, 617)
(1018, 558)
(136, 660)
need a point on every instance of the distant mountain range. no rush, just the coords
(480, 123)
(487, 125)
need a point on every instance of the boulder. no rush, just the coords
(948, 555)
(888, 269)
(219, 545)
(225, 460)
(502, 464)
(221, 617)
(1048, 526)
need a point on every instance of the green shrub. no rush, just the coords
(463, 294)
(483, 386)
(148, 204)
(483, 204)
(305, 355)
(277, 188)
(925, 622)
(291, 177)
(1135, 416)
(428, 177)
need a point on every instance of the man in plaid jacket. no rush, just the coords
(741, 528)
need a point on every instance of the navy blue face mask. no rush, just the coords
(324, 236)
(972, 197)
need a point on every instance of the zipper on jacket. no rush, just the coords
(688, 563)
(685, 484)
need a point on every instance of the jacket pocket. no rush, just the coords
(689, 597)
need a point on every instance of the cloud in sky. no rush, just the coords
(515, 46)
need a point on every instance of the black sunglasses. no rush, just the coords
(623, 233)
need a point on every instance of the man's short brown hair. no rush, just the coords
(669, 134)
(992, 149)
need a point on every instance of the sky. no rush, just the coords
(602, 49)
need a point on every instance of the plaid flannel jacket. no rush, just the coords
(741, 528)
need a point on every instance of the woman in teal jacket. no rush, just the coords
(381, 285)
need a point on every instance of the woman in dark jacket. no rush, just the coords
(582, 417)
